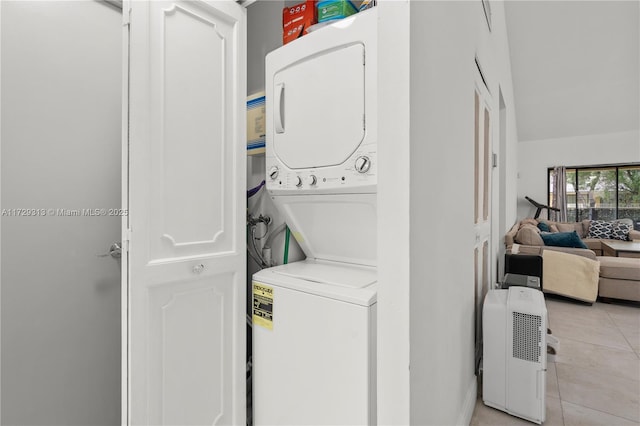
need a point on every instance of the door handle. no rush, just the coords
(279, 108)
(115, 251)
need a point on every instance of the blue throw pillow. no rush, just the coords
(543, 227)
(563, 239)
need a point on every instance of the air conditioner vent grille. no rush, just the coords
(527, 339)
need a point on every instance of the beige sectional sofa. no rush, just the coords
(619, 278)
(527, 234)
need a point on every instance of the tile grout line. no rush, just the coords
(559, 394)
(591, 408)
(615, 324)
(623, 335)
(586, 406)
(599, 411)
(555, 370)
(604, 346)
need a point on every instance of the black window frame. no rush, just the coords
(586, 168)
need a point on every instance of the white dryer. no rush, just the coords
(314, 321)
(321, 138)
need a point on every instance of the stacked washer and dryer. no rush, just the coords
(314, 334)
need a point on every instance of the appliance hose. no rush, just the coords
(287, 235)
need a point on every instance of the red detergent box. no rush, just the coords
(296, 19)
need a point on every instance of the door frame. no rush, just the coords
(124, 272)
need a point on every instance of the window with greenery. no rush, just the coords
(602, 192)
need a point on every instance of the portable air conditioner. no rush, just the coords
(514, 353)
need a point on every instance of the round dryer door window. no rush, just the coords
(319, 108)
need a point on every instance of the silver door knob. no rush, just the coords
(115, 251)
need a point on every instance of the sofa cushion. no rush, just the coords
(627, 221)
(568, 227)
(516, 248)
(622, 268)
(529, 235)
(582, 228)
(510, 236)
(563, 239)
(593, 243)
(600, 229)
(620, 231)
(619, 289)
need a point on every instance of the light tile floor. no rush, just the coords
(596, 377)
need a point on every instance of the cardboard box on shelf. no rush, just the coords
(297, 19)
(335, 9)
(256, 130)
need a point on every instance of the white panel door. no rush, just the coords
(482, 214)
(186, 197)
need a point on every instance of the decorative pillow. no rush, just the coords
(529, 235)
(620, 231)
(563, 239)
(553, 227)
(600, 229)
(544, 227)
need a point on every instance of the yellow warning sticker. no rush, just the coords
(263, 305)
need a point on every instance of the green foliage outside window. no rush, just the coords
(605, 193)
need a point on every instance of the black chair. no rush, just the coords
(524, 264)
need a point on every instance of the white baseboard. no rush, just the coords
(469, 404)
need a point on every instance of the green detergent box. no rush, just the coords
(335, 9)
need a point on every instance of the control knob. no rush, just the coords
(363, 163)
(273, 172)
(298, 181)
(312, 180)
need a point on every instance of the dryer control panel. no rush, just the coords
(357, 174)
(321, 110)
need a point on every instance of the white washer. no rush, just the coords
(314, 360)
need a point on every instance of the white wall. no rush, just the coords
(264, 34)
(394, 255)
(61, 121)
(535, 157)
(445, 38)
(442, 233)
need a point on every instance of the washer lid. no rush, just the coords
(340, 281)
(330, 273)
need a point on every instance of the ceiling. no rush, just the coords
(575, 67)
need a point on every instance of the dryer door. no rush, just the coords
(319, 108)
